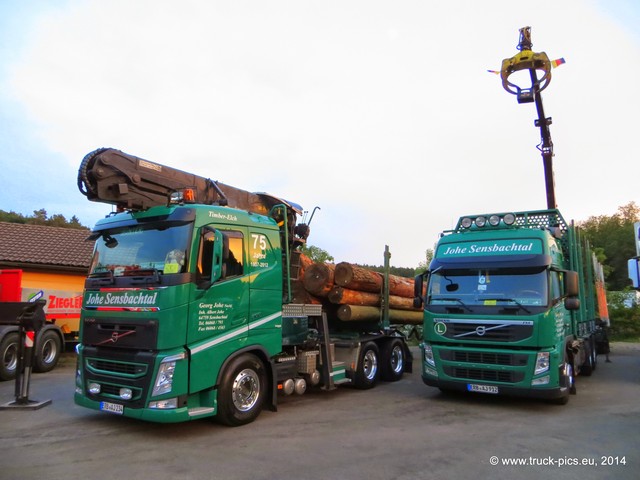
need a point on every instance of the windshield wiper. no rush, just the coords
(506, 299)
(453, 299)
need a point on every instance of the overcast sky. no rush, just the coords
(381, 113)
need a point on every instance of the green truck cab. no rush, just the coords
(188, 308)
(512, 303)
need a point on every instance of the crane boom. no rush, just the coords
(131, 183)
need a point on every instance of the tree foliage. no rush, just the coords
(40, 217)
(613, 242)
(316, 254)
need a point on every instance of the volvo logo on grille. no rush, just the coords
(481, 330)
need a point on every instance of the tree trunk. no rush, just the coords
(355, 297)
(319, 279)
(355, 277)
(359, 313)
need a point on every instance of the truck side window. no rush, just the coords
(205, 256)
(233, 254)
(556, 287)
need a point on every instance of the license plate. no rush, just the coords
(472, 387)
(112, 407)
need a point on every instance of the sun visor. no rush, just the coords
(495, 261)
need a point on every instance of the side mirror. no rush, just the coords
(218, 256)
(417, 291)
(571, 285)
(572, 303)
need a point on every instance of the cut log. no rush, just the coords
(401, 286)
(359, 313)
(355, 277)
(319, 278)
(341, 295)
(353, 297)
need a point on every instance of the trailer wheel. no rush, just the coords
(242, 391)
(9, 356)
(589, 366)
(392, 357)
(367, 372)
(48, 351)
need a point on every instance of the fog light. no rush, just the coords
(481, 221)
(94, 388)
(494, 220)
(167, 404)
(430, 371)
(126, 393)
(540, 381)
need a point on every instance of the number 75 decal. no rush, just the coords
(259, 241)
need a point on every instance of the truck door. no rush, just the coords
(218, 318)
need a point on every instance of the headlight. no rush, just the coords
(428, 355)
(164, 378)
(542, 363)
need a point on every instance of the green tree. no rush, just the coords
(40, 217)
(317, 254)
(612, 239)
(424, 265)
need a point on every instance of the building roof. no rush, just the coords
(25, 245)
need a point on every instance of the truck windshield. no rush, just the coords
(141, 250)
(488, 287)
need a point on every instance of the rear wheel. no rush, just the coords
(48, 352)
(9, 356)
(368, 363)
(242, 391)
(589, 365)
(392, 358)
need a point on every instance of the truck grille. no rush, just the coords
(488, 330)
(116, 368)
(490, 358)
(503, 376)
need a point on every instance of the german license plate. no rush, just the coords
(112, 408)
(472, 387)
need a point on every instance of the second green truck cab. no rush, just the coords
(512, 302)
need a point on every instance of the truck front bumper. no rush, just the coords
(544, 393)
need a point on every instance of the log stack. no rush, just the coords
(355, 293)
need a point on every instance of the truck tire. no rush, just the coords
(589, 364)
(392, 358)
(9, 356)
(242, 391)
(367, 373)
(48, 350)
(567, 379)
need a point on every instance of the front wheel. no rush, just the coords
(367, 371)
(242, 391)
(47, 352)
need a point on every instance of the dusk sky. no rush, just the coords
(381, 113)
